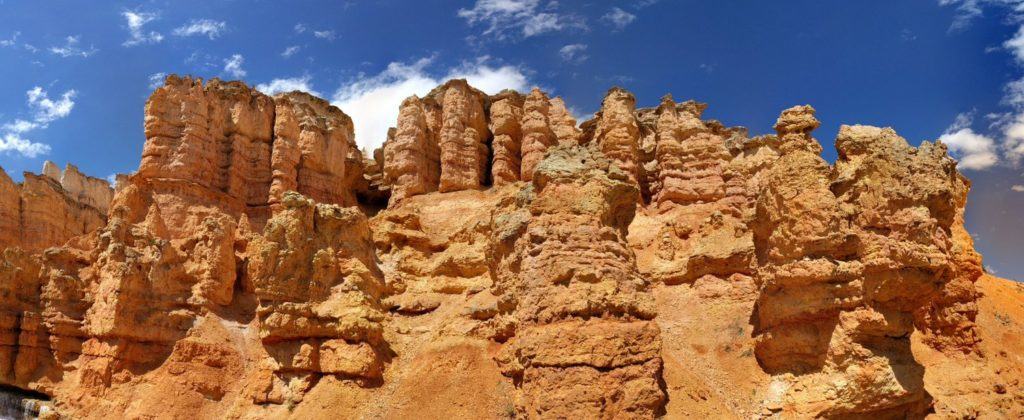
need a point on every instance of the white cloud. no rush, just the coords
(328, 35)
(1013, 138)
(287, 85)
(44, 111)
(373, 102)
(1016, 45)
(618, 18)
(1018, 188)
(203, 27)
(20, 126)
(300, 28)
(503, 18)
(136, 22)
(12, 142)
(290, 51)
(71, 48)
(574, 53)
(156, 80)
(10, 42)
(968, 10)
(233, 66)
(974, 151)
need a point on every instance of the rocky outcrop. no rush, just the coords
(851, 257)
(506, 124)
(318, 288)
(457, 138)
(579, 315)
(494, 260)
(314, 151)
(463, 137)
(411, 155)
(227, 147)
(617, 132)
(49, 209)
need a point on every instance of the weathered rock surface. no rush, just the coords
(574, 311)
(224, 147)
(495, 260)
(458, 138)
(49, 209)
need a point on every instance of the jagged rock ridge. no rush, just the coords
(495, 259)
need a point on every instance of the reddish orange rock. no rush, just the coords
(494, 260)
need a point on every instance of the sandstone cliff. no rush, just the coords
(48, 209)
(496, 260)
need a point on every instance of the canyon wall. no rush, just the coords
(495, 259)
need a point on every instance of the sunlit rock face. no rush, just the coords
(51, 208)
(458, 138)
(495, 259)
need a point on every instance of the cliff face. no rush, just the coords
(645, 263)
(49, 209)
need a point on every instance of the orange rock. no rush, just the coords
(462, 138)
(48, 210)
(506, 116)
(494, 260)
(583, 343)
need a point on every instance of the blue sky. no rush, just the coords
(76, 74)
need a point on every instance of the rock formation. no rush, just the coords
(496, 260)
(47, 210)
(457, 138)
(579, 315)
(225, 147)
(319, 291)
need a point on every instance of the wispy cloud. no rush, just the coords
(290, 51)
(10, 42)
(300, 28)
(157, 79)
(282, 85)
(373, 101)
(618, 18)
(1004, 143)
(72, 48)
(233, 66)
(968, 10)
(326, 34)
(44, 111)
(574, 53)
(507, 19)
(202, 27)
(136, 22)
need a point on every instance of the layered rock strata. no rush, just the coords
(457, 138)
(579, 315)
(319, 291)
(49, 209)
(235, 150)
(851, 257)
